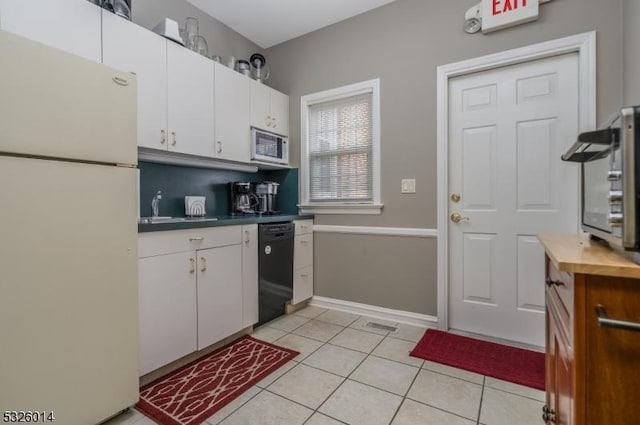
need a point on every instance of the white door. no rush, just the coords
(508, 127)
(167, 307)
(219, 293)
(132, 48)
(190, 116)
(232, 110)
(280, 113)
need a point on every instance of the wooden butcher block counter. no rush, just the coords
(592, 333)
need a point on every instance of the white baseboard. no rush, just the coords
(398, 316)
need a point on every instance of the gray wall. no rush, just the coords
(402, 43)
(221, 40)
(631, 52)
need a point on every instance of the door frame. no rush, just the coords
(584, 44)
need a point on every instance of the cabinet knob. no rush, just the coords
(204, 264)
(173, 138)
(163, 137)
(192, 268)
(548, 415)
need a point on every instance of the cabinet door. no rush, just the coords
(260, 106)
(70, 25)
(303, 251)
(219, 293)
(558, 364)
(232, 114)
(167, 309)
(279, 113)
(132, 48)
(249, 275)
(190, 101)
(302, 284)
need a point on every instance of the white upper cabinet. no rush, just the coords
(232, 114)
(70, 25)
(132, 48)
(269, 109)
(190, 79)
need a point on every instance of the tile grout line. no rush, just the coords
(484, 380)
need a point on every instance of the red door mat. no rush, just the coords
(193, 393)
(517, 365)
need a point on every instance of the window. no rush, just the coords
(340, 150)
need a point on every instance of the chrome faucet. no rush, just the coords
(155, 204)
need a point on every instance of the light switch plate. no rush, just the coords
(408, 185)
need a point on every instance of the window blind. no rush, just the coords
(340, 150)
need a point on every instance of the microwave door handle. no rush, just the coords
(607, 137)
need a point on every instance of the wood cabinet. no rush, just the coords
(269, 109)
(303, 261)
(232, 114)
(249, 275)
(176, 87)
(192, 290)
(69, 25)
(592, 364)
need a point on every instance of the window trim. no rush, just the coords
(307, 207)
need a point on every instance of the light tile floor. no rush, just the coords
(348, 373)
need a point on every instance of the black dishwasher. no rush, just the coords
(275, 268)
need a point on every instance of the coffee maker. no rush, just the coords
(242, 201)
(266, 193)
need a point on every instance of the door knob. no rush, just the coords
(455, 197)
(457, 218)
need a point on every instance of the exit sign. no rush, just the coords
(498, 14)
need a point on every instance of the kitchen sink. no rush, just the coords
(158, 220)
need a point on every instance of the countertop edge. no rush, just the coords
(226, 221)
(575, 253)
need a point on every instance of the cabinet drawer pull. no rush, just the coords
(550, 282)
(304, 241)
(246, 236)
(605, 321)
(196, 239)
(192, 269)
(204, 264)
(304, 275)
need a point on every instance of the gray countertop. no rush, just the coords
(221, 221)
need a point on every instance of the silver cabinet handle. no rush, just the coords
(219, 147)
(204, 264)
(275, 123)
(605, 321)
(268, 121)
(192, 268)
(304, 275)
(173, 138)
(246, 236)
(196, 239)
(163, 137)
(304, 241)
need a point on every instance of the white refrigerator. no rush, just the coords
(68, 235)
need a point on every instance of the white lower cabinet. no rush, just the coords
(192, 290)
(249, 275)
(219, 293)
(167, 315)
(303, 261)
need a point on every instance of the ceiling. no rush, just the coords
(270, 22)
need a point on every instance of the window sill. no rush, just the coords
(360, 209)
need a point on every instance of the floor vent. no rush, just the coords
(381, 326)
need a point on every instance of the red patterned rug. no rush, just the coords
(524, 367)
(193, 393)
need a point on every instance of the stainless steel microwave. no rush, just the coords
(610, 160)
(269, 147)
